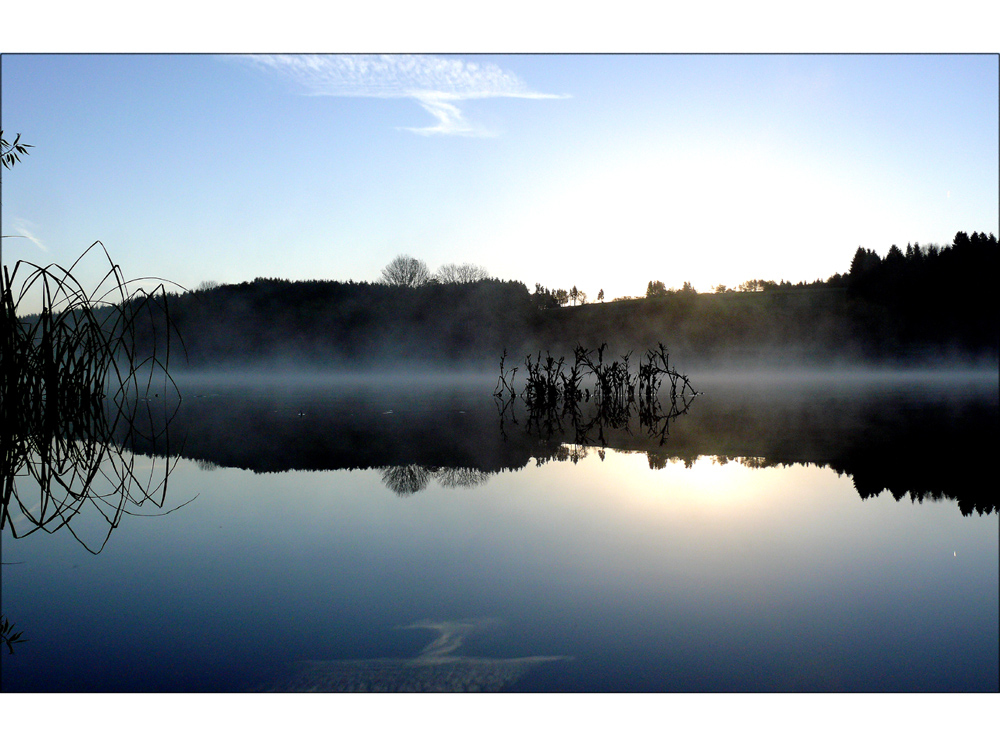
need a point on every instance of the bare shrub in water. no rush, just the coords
(552, 393)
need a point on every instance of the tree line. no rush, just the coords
(406, 271)
(922, 304)
(333, 322)
(926, 300)
(931, 292)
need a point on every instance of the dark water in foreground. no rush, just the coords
(809, 535)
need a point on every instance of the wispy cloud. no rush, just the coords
(436, 84)
(23, 231)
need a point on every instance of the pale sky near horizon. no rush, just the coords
(600, 171)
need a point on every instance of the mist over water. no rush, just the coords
(909, 430)
(958, 374)
(746, 373)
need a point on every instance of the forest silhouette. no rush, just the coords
(925, 304)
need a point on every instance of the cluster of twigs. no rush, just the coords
(616, 385)
(71, 387)
(554, 391)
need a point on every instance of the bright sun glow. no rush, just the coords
(704, 216)
(709, 482)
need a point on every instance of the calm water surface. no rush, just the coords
(826, 534)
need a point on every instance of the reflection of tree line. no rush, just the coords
(928, 445)
(315, 431)
(872, 480)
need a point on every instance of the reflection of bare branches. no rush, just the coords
(656, 422)
(552, 395)
(205, 464)
(406, 480)
(590, 423)
(544, 421)
(462, 476)
(505, 409)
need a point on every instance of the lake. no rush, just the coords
(788, 532)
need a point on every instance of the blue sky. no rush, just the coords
(600, 171)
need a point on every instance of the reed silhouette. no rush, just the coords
(70, 381)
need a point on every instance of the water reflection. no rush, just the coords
(406, 480)
(82, 474)
(435, 669)
(924, 442)
(463, 476)
(755, 570)
(68, 463)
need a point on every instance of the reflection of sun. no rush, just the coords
(707, 481)
(711, 479)
(705, 486)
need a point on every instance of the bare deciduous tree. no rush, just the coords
(451, 273)
(405, 271)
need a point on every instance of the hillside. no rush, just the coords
(929, 306)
